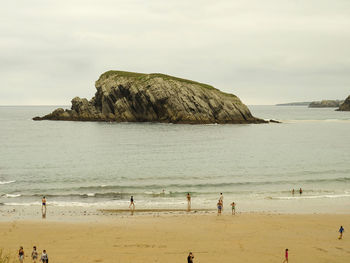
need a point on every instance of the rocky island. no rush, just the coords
(135, 97)
(345, 106)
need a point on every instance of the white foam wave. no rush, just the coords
(7, 182)
(309, 197)
(12, 195)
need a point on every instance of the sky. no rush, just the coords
(265, 52)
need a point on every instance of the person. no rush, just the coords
(233, 205)
(43, 206)
(132, 202)
(293, 191)
(190, 258)
(34, 255)
(222, 201)
(44, 257)
(188, 201)
(286, 256)
(219, 204)
(341, 230)
(21, 254)
(300, 191)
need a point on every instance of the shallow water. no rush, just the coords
(102, 164)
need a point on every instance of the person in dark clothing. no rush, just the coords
(190, 258)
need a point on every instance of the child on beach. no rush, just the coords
(34, 255)
(341, 230)
(286, 256)
(44, 257)
(219, 204)
(233, 205)
(21, 254)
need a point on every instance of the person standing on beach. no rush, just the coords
(300, 191)
(286, 256)
(34, 255)
(341, 230)
(132, 203)
(221, 199)
(233, 205)
(43, 206)
(293, 191)
(21, 254)
(44, 257)
(190, 258)
(188, 201)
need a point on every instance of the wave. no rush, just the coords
(208, 184)
(308, 197)
(7, 182)
(11, 195)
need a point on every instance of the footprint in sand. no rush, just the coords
(321, 249)
(241, 246)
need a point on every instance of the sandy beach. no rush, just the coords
(161, 237)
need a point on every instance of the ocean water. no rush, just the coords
(90, 164)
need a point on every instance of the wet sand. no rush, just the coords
(161, 237)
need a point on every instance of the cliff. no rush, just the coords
(345, 106)
(135, 97)
(325, 104)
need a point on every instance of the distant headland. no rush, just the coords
(315, 104)
(136, 97)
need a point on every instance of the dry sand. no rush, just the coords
(168, 238)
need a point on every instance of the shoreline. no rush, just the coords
(93, 214)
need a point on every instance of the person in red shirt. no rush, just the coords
(286, 256)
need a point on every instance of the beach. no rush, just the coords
(168, 237)
(89, 175)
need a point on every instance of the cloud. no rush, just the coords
(263, 51)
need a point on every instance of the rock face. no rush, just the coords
(135, 97)
(325, 104)
(345, 106)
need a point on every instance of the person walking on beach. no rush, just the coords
(300, 191)
(132, 204)
(341, 230)
(43, 206)
(286, 256)
(190, 258)
(44, 257)
(21, 254)
(219, 204)
(34, 255)
(188, 201)
(233, 205)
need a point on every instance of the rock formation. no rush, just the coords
(325, 104)
(345, 106)
(135, 97)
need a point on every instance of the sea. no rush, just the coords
(100, 165)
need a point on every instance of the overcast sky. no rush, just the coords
(265, 52)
